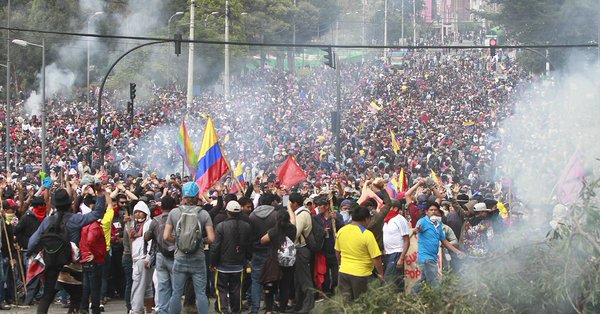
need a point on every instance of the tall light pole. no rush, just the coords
(87, 86)
(226, 74)
(385, 30)
(169, 23)
(414, 22)
(24, 43)
(190, 83)
(7, 111)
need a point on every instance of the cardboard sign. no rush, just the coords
(412, 271)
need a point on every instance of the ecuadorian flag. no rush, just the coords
(186, 149)
(211, 161)
(392, 188)
(239, 173)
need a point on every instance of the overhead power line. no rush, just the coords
(236, 43)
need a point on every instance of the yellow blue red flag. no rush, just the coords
(211, 160)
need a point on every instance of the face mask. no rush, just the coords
(9, 217)
(345, 215)
(436, 219)
(140, 220)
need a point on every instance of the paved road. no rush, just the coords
(114, 306)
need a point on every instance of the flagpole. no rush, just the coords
(230, 169)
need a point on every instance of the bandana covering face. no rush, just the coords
(39, 212)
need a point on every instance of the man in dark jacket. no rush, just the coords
(28, 224)
(263, 218)
(62, 201)
(228, 255)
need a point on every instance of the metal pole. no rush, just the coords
(43, 104)
(226, 76)
(363, 31)
(443, 11)
(99, 137)
(402, 26)
(385, 30)
(87, 85)
(414, 22)
(7, 112)
(338, 145)
(169, 22)
(190, 83)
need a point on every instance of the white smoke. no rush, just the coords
(551, 121)
(59, 82)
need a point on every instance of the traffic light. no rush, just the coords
(329, 60)
(493, 44)
(130, 111)
(132, 91)
(177, 38)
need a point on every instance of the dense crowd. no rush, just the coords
(128, 219)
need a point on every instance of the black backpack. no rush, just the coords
(316, 237)
(166, 248)
(55, 242)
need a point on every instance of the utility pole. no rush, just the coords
(402, 26)
(190, 83)
(414, 22)
(385, 30)
(7, 89)
(338, 144)
(226, 75)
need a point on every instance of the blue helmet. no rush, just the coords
(190, 189)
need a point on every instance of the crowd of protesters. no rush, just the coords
(444, 108)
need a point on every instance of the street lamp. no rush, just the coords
(24, 43)
(87, 87)
(169, 23)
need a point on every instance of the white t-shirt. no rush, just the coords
(393, 231)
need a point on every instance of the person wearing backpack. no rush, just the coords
(189, 222)
(165, 254)
(303, 274)
(280, 237)
(61, 228)
(228, 255)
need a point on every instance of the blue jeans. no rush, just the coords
(184, 267)
(392, 273)
(258, 261)
(128, 270)
(429, 275)
(92, 284)
(164, 275)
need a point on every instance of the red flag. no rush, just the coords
(571, 180)
(290, 173)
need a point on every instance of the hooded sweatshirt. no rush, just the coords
(263, 218)
(139, 250)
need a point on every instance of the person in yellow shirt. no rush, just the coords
(357, 253)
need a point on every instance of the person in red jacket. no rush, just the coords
(92, 247)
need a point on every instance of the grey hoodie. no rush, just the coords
(263, 218)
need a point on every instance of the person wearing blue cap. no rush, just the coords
(185, 226)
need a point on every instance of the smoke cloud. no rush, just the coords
(59, 82)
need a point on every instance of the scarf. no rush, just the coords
(39, 212)
(137, 230)
(391, 214)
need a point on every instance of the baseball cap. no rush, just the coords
(190, 189)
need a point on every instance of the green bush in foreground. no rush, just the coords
(529, 272)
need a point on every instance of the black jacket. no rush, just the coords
(232, 243)
(263, 218)
(27, 225)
